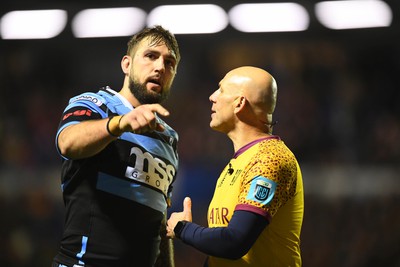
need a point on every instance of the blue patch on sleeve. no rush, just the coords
(262, 190)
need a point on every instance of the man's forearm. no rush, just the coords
(84, 139)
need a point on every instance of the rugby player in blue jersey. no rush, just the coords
(119, 161)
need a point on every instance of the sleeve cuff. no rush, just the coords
(179, 228)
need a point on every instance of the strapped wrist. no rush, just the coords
(179, 228)
(113, 126)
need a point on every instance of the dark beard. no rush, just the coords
(139, 90)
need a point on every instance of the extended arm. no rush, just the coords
(231, 242)
(88, 138)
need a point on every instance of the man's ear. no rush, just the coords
(240, 103)
(126, 64)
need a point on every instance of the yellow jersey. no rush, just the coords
(263, 177)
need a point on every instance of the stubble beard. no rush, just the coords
(145, 96)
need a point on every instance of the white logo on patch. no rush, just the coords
(90, 98)
(262, 190)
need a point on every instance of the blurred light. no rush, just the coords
(33, 24)
(108, 22)
(189, 19)
(353, 14)
(272, 17)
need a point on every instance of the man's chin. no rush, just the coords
(218, 127)
(154, 88)
(156, 98)
(214, 127)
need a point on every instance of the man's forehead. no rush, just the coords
(236, 79)
(149, 44)
(234, 83)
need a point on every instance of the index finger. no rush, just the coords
(159, 109)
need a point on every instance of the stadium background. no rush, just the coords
(338, 109)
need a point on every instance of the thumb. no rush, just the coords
(187, 208)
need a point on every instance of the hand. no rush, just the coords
(143, 119)
(185, 215)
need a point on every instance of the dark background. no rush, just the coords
(338, 110)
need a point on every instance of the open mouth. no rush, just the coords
(155, 81)
(155, 84)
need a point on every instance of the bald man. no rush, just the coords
(256, 213)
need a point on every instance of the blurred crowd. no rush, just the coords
(337, 104)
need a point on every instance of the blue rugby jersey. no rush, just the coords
(115, 201)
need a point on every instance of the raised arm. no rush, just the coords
(87, 138)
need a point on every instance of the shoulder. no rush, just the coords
(89, 97)
(273, 156)
(274, 148)
(101, 101)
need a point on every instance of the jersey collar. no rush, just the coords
(120, 97)
(252, 143)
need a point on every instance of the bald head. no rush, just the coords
(245, 99)
(258, 87)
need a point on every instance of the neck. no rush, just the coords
(126, 92)
(242, 137)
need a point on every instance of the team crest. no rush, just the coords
(262, 190)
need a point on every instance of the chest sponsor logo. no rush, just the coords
(218, 216)
(145, 168)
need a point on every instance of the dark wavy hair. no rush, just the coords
(158, 35)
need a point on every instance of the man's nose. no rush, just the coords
(212, 96)
(160, 64)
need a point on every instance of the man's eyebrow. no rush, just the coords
(170, 55)
(150, 49)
